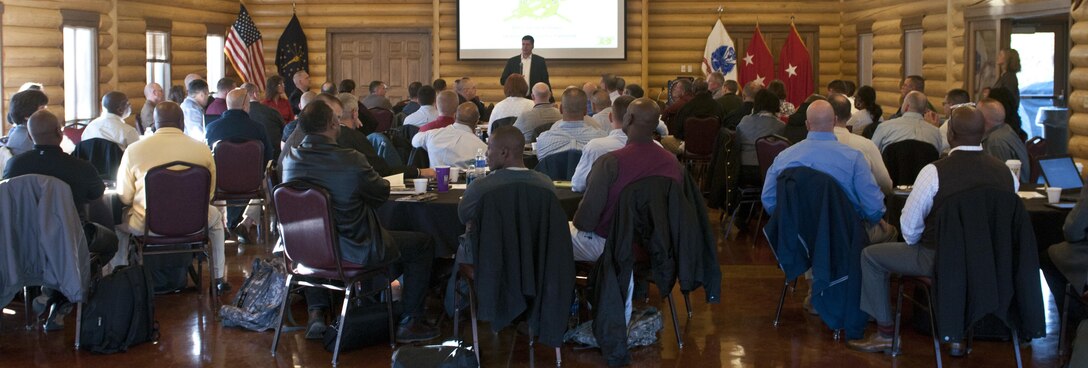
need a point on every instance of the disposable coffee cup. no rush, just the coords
(442, 176)
(1053, 195)
(455, 174)
(533, 145)
(421, 185)
(1014, 166)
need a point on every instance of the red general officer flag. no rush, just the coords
(757, 64)
(795, 68)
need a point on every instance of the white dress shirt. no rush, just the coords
(194, 118)
(526, 68)
(859, 120)
(614, 95)
(110, 127)
(593, 150)
(454, 146)
(920, 201)
(509, 107)
(425, 114)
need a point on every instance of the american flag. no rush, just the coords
(244, 49)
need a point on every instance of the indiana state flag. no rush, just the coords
(720, 55)
(292, 53)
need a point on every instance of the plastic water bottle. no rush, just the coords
(470, 174)
(481, 159)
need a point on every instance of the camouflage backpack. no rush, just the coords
(258, 301)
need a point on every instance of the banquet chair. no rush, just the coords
(240, 175)
(385, 119)
(1036, 150)
(699, 135)
(905, 159)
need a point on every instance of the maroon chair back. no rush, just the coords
(177, 197)
(74, 132)
(767, 149)
(307, 227)
(1036, 151)
(699, 134)
(384, 117)
(239, 165)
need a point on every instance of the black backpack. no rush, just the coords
(448, 355)
(119, 312)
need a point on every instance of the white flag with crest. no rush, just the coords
(720, 55)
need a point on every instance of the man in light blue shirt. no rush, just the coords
(911, 126)
(571, 133)
(596, 148)
(193, 109)
(821, 151)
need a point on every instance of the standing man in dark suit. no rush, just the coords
(532, 66)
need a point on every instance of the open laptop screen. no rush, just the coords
(1061, 172)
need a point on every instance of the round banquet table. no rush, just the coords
(439, 219)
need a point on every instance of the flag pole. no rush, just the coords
(293, 8)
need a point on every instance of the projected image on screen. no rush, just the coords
(563, 29)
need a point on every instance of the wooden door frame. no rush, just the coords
(330, 33)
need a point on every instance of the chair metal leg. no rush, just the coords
(472, 313)
(781, 300)
(389, 308)
(675, 323)
(558, 358)
(687, 304)
(732, 220)
(1016, 346)
(1062, 342)
(27, 301)
(79, 322)
(759, 220)
(340, 324)
(456, 308)
(279, 320)
(933, 325)
(898, 315)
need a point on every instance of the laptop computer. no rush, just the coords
(1061, 172)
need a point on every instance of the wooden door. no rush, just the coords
(396, 58)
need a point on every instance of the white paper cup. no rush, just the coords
(421, 185)
(454, 172)
(1053, 195)
(533, 145)
(1080, 168)
(1014, 166)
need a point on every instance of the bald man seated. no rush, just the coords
(153, 94)
(235, 124)
(168, 144)
(965, 168)
(911, 126)
(111, 124)
(543, 112)
(1001, 140)
(455, 145)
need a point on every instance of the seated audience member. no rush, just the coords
(268, 117)
(22, 105)
(329, 87)
(466, 92)
(700, 105)
(602, 106)
(1000, 140)
(515, 102)
(427, 110)
(543, 113)
(1067, 262)
(369, 122)
(714, 83)
(446, 104)
(152, 95)
(235, 123)
(639, 158)
(301, 82)
(636, 91)
(785, 108)
(354, 186)
(869, 112)
(439, 85)
(413, 98)
(111, 124)
(762, 123)
(838, 86)
(275, 98)
(1010, 100)
(289, 129)
(795, 129)
(681, 93)
(746, 107)
(168, 144)
(912, 83)
(504, 157)
(596, 148)
(954, 98)
(910, 126)
(193, 107)
(841, 106)
(570, 133)
(48, 159)
(728, 97)
(219, 103)
(455, 145)
(822, 152)
(965, 168)
(611, 83)
(590, 88)
(376, 98)
(175, 95)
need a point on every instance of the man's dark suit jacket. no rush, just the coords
(538, 71)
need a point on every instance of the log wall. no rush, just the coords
(1078, 84)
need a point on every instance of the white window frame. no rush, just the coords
(80, 73)
(216, 61)
(865, 59)
(912, 52)
(158, 57)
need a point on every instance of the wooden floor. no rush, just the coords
(735, 333)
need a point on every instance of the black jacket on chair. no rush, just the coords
(724, 170)
(905, 159)
(560, 166)
(524, 261)
(987, 263)
(816, 226)
(104, 155)
(669, 221)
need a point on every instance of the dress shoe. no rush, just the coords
(246, 233)
(55, 321)
(222, 287)
(315, 327)
(415, 329)
(875, 343)
(957, 349)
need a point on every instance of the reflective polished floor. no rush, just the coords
(735, 333)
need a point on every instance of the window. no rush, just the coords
(912, 52)
(158, 58)
(80, 73)
(865, 59)
(216, 61)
